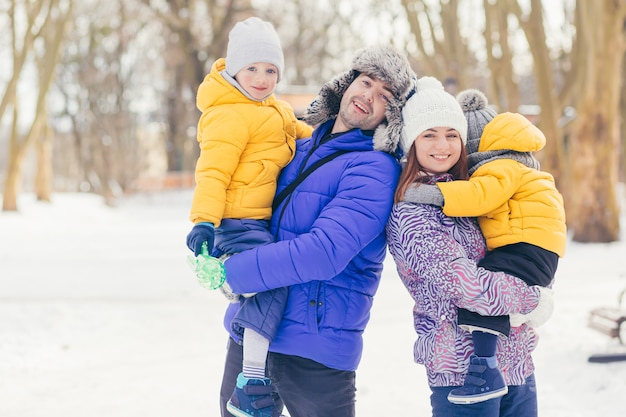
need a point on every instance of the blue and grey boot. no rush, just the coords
(252, 398)
(482, 383)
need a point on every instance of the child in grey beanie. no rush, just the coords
(245, 134)
(253, 40)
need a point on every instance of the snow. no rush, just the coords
(101, 316)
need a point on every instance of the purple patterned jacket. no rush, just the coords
(436, 259)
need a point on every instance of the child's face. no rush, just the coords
(258, 79)
(438, 149)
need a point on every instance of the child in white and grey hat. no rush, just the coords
(522, 217)
(253, 41)
(245, 134)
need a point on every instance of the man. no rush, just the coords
(330, 245)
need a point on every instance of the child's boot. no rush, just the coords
(483, 382)
(252, 398)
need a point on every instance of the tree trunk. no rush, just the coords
(43, 178)
(52, 29)
(11, 181)
(16, 155)
(53, 34)
(442, 52)
(596, 139)
(622, 177)
(504, 89)
(552, 156)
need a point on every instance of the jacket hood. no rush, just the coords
(511, 131)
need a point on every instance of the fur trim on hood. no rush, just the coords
(383, 63)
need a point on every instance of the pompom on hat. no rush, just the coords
(384, 63)
(478, 114)
(430, 106)
(250, 41)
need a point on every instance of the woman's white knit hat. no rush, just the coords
(253, 40)
(430, 106)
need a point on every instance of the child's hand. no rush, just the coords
(200, 233)
(424, 194)
(540, 315)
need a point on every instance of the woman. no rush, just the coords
(436, 259)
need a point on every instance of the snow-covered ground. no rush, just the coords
(100, 316)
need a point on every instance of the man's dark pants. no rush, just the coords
(307, 388)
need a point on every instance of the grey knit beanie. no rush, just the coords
(384, 63)
(478, 114)
(430, 106)
(253, 40)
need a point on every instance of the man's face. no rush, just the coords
(363, 104)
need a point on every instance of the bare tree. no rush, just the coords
(623, 119)
(551, 104)
(581, 155)
(109, 83)
(504, 86)
(439, 48)
(318, 48)
(595, 139)
(44, 20)
(196, 33)
(133, 62)
(53, 34)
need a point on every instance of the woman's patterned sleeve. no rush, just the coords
(426, 249)
(490, 293)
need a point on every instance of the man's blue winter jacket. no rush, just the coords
(329, 251)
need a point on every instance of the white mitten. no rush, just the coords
(540, 314)
(517, 319)
(228, 293)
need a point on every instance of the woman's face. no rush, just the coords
(438, 149)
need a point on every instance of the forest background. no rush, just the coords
(100, 96)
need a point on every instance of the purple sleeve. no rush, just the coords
(436, 257)
(339, 228)
(490, 293)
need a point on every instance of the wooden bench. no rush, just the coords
(611, 320)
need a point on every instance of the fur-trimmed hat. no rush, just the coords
(381, 62)
(430, 106)
(250, 41)
(478, 114)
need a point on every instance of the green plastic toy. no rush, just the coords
(209, 270)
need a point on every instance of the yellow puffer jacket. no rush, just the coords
(514, 202)
(243, 146)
